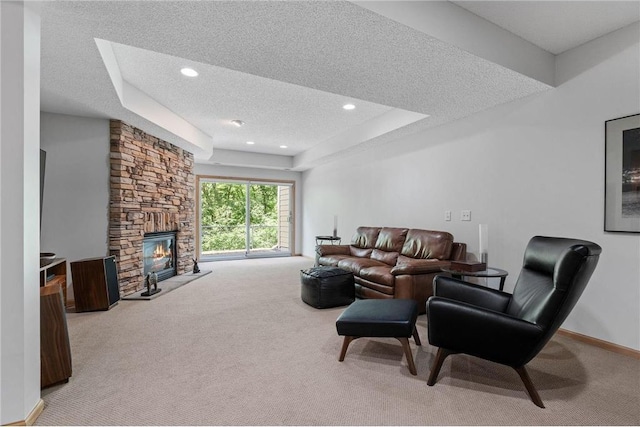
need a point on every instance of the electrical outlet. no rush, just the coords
(465, 216)
(447, 215)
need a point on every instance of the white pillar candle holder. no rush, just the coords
(484, 243)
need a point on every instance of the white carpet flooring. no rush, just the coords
(239, 347)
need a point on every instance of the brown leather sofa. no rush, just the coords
(394, 262)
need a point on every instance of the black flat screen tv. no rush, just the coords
(43, 162)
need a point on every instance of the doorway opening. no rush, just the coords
(239, 218)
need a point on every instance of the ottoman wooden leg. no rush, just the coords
(407, 352)
(345, 344)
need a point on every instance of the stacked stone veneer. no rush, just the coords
(152, 189)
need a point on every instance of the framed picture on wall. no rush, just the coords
(622, 174)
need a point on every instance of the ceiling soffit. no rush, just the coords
(336, 48)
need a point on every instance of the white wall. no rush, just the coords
(75, 208)
(271, 174)
(531, 167)
(19, 182)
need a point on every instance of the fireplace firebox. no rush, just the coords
(159, 254)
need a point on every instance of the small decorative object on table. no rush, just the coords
(196, 269)
(46, 258)
(484, 243)
(468, 266)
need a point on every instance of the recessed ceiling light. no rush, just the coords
(237, 122)
(250, 142)
(348, 106)
(189, 72)
(283, 146)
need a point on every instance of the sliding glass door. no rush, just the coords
(240, 219)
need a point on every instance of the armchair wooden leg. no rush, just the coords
(437, 364)
(533, 394)
(407, 352)
(345, 344)
(416, 337)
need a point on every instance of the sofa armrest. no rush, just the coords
(419, 266)
(459, 251)
(323, 250)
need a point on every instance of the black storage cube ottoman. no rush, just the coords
(325, 287)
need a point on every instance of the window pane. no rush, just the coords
(222, 216)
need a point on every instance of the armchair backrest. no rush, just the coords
(554, 274)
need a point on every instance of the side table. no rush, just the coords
(489, 272)
(335, 240)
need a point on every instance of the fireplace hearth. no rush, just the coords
(159, 254)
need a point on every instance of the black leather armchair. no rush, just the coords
(511, 329)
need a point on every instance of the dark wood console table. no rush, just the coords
(54, 272)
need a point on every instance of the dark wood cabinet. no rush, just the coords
(55, 351)
(54, 272)
(95, 283)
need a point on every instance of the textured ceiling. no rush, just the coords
(557, 26)
(285, 68)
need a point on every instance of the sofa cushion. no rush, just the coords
(365, 237)
(427, 244)
(391, 239)
(360, 252)
(378, 274)
(354, 265)
(331, 260)
(389, 258)
(366, 289)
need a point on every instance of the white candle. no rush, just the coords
(484, 238)
(335, 226)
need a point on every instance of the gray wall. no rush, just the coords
(75, 208)
(531, 167)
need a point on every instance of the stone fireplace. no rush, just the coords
(152, 193)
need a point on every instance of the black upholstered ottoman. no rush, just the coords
(324, 287)
(394, 318)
